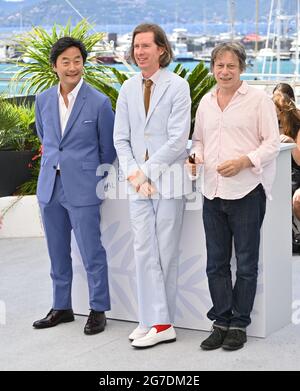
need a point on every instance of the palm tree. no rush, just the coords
(36, 72)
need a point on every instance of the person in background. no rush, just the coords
(289, 125)
(285, 88)
(75, 125)
(236, 137)
(150, 135)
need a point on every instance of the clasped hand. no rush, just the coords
(139, 181)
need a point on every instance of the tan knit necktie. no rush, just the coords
(147, 94)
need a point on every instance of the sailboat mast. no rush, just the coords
(76, 10)
(278, 25)
(268, 36)
(232, 18)
(204, 19)
(298, 41)
(256, 26)
(123, 60)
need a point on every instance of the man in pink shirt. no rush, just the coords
(236, 137)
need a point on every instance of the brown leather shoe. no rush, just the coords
(96, 323)
(53, 318)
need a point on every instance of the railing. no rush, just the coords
(268, 82)
(268, 85)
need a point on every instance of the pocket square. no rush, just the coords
(88, 121)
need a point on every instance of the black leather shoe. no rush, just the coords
(96, 323)
(53, 318)
(215, 340)
(235, 339)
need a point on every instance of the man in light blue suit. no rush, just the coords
(75, 125)
(150, 139)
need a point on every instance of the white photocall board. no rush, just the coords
(272, 308)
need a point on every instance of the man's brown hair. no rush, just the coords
(160, 39)
(233, 47)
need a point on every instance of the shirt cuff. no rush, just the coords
(255, 160)
(152, 171)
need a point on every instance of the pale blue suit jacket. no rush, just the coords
(164, 132)
(86, 143)
(156, 223)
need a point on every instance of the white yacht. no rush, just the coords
(295, 48)
(2, 52)
(204, 55)
(179, 35)
(123, 47)
(181, 53)
(178, 40)
(267, 53)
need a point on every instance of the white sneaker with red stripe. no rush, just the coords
(153, 338)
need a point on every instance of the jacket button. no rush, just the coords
(61, 148)
(54, 167)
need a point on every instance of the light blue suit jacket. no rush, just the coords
(86, 143)
(164, 132)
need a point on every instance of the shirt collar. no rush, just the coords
(243, 89)
(154, 77)
(74, 92)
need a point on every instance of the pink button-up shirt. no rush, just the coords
(247, 126)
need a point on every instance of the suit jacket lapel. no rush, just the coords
(79, 102)
(55, 113)
(160, 88)
(139, 97)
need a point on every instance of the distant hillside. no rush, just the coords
(35, 12)
(8, 7)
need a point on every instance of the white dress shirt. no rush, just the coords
(154, 78)
(64, 111)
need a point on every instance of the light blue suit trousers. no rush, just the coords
(59, 218)
(156, 225)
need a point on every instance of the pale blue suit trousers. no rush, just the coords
(156, 225)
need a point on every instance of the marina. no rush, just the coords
(272, 43)
(253, 74)
(270, 55)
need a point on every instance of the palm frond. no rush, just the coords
(38, 75)
(200, 83)
(29, 187)
(121, 76)
(16, 123)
